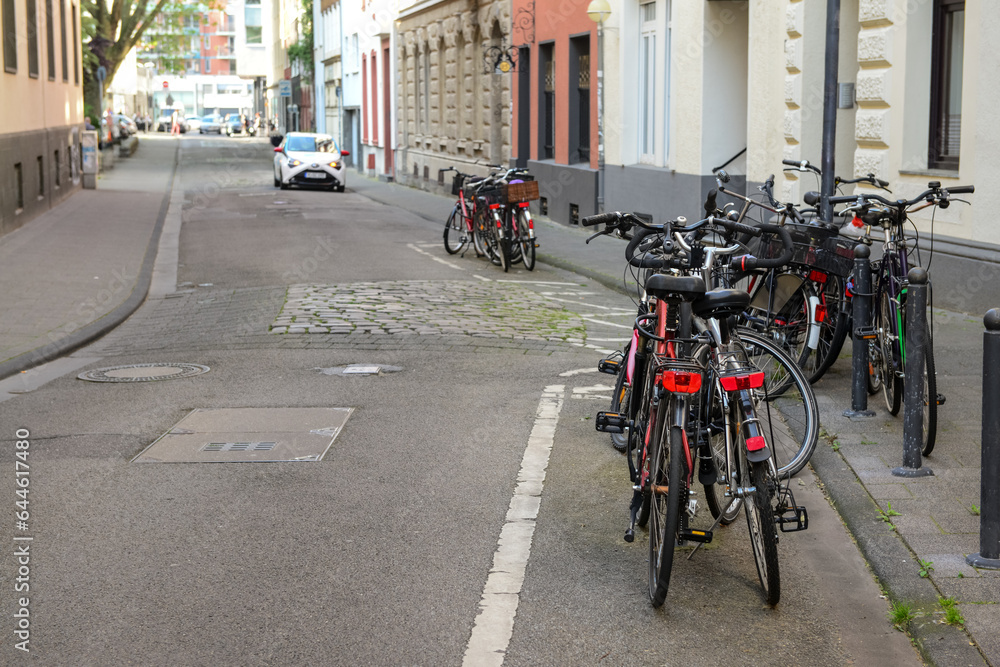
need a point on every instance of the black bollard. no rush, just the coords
(917, 337)
(989, 483)
(861, 306)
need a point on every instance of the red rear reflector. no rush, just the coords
(820, 313)
(857, 222)
(681, 382)
(494, 207)
(737, 382)
(817, 276)
(756, 443)
(524, 204)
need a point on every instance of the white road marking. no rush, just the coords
(495, 623)
(589, 305)
(483, 278)
(610, 324)
(610, 340)
(539, 282)
(578, 371)
(596, 392)
(436, 259)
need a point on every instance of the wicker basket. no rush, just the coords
(814, 247)
(519, 192)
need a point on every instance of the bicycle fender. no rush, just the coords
(813, 339)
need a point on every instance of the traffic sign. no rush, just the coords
(285, 88)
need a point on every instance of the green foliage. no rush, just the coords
(901, 614)
(835, 446)
(952, 616)
(302, 51)
(974, 510)
(887, 515)
(926, 567)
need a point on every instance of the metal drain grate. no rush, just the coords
(143, 372)
(239, 447)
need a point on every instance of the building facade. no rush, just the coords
(453, 106)
(42, 114)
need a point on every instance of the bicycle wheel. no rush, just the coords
(484, 230)
(503, 241)
(455, 237)
(930, 400)
(760, 522)
(874, 368)
(668, 475)
(786, 405)
(478, 237)
(833, 328)
(888, 340)
(716, 429)
(779, 309)
(526, 238)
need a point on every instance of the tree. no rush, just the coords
(111, 28)
(302, 50)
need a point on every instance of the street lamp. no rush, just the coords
(598, 11)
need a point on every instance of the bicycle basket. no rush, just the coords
(519, 192)
(457, 183)
(814, 247)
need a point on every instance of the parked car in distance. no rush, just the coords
(193, 122)
(311, 160)
(210, 124)
(233, 124)
(165, 121)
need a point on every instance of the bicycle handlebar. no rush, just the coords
(747, 263)
(931, 193)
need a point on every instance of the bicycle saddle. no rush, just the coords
(721, 303)
(675, 288)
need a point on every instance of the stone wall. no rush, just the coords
(450, 112)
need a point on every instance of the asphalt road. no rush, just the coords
(379, 553)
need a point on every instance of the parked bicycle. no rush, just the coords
(695, 390)
(887, 328)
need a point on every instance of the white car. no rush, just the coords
(308, 159)
(193, 122)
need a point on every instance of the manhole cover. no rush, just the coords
(248, 435)
(143, 372)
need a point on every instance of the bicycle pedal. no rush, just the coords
(941, 399)
(865, 333)
(611, 422)
(800, 519)
(691, 535)
(609, 366)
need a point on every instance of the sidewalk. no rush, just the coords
(80, 269)
(855, 458)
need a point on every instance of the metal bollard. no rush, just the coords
(861, 305)
(913, 384)
(989, 483)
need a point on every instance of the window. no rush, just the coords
(253, 24)
(41, 177)
(427, 89)
(208, 65)
(208, 41)
(579, 99)
(547, 114)
(50, 39)
(58, 166)
(374, 100)
(947, 44)
(647, 82)
(364, 98)
(18, 175)
(65, 49)
(9, 37)
(32, 39)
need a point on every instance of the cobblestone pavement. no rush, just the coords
(427, 307)
(451, 314)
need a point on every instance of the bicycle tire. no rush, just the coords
(762, 528)
(833, 329)
(930, 400)
(888, 339)
(454, 232)
(526, 240)
(788, 412)
(779, 310)
(875, 368)
(668, 466)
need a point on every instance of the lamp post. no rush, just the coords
(598, 11)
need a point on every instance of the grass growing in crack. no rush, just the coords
(901, 614)
(887, 515)
(868, 442)
(926, 567)
(835, 446)
(974, 510)
(952, 616)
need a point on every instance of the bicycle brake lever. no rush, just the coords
(595, 235)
